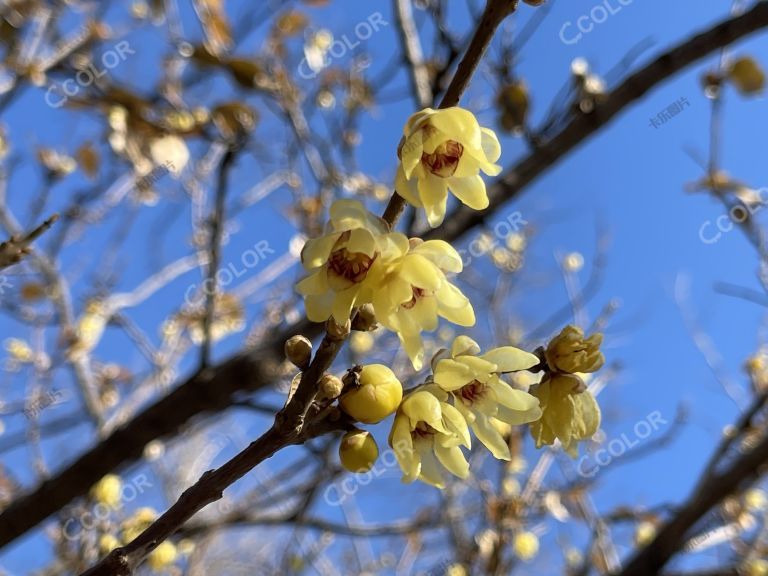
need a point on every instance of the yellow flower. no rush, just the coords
(441, 151)
(526, 545)
(107, 543)
(756, 567)
(569, 352)
(570, 412)
(137, 523)
(755, 500)
(455, 570)
(19, 350)
(162, 556)
(426, 433)
(340, 261)
(481, 395)
(378, 395)
(108, 491)
(358, 451)
(645, 532)
(414, 292)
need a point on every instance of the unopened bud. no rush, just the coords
(570, 352)
(330, 387)
(358, 451)
(377, 395)
(365, 320)
(337, 331)
(298, 350)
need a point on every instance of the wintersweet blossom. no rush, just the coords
(339, 262)
(570, 412)
(414, 292)
(481, 395)
(441, 151)
(570, 352)
(427, 433)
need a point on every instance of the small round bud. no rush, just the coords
(377, 395)
(298, 350)
(108, 491)
(338, 331)
(162, 556)
(645, 532)
(365, 320)
(358, 451)
(526, 545)
(330, 387)
(746, 74)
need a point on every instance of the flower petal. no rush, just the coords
(510, 359)
(470, 190)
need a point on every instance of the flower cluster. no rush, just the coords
(570, 412)
(362, 273)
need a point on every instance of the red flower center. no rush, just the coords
(444, 161)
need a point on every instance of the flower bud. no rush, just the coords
(162, 556)
(569, 352)
(365, 319)
(330, 387)
(526, 545)
(645, 532)
(377, 394)
(358, 451)
(756, 567)
(298, 351)
(747, 76)
(108, 490)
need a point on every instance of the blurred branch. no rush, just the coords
(16, 247)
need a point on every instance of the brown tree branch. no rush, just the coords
(212, 391)
(16, 247)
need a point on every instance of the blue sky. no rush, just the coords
(628, 182)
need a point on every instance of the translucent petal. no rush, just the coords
(361, 241)
(517, 418)
(490, 437)
(319, 307)
(413, 347)
(424, 314)
(316, 250)
(313, 284)
(441, 253)
(512, 398)
(464, 345)
(490, 145)
(456, 423)
(343, 303)
(470, 190)
(410, 153)
(458, 124)
(451, 375)
(430, 470)
(422, 406)
(453, 459)
(407, 188)
(420, 272)
(464, 316)
(434, 196)
(509, 358)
